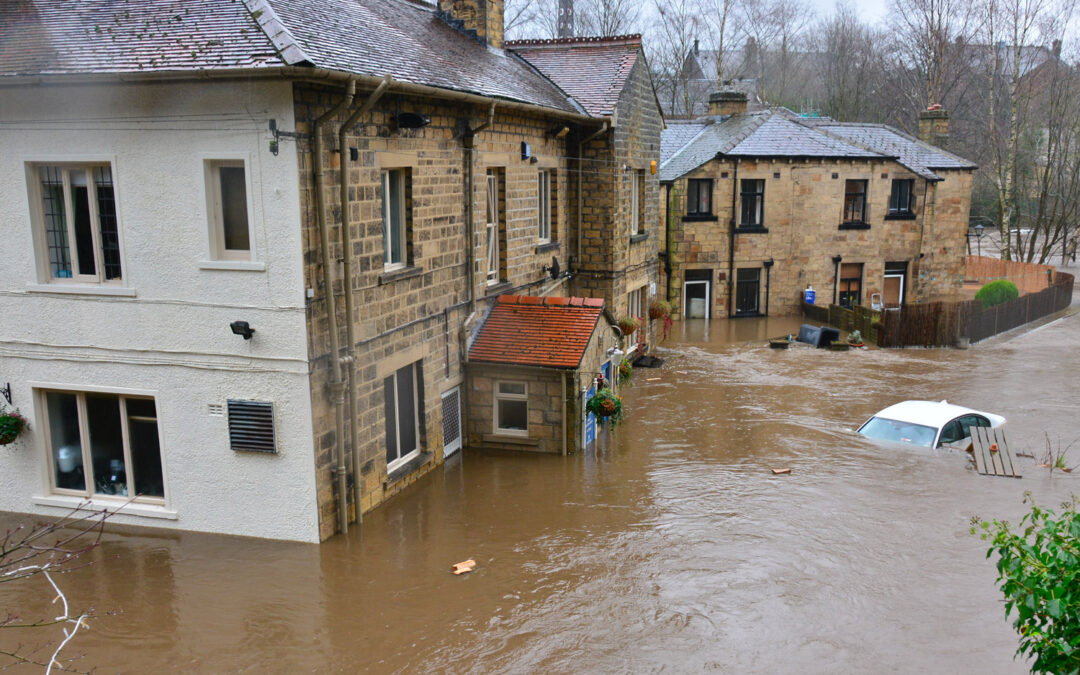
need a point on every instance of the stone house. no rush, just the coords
(259, 238)
(759, 206)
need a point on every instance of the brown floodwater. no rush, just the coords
(670, 548)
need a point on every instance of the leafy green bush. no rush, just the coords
(1039, 572)
(997, 292)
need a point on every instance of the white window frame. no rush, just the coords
(635, 202)
(398, 175)
(215, 214)
(492, 228)
(40, 227)
(499, 396)
(635, 302)
(40, 393)
(415, 452)
(543, 211)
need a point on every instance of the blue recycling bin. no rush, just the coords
(808, 296)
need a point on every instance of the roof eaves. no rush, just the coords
(279, 35)
(681, 150)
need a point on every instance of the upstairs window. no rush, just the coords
(395, 190)
(902, 197)
(495, 227)
(227, 193)
(855, 201)
(77, 222)
(699, 197)
(637, 202)
(544, 202)
(752, 197)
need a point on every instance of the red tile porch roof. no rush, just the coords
(531, 331)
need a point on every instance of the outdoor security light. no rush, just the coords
(836, 259)
(242, 328)
(768, 263)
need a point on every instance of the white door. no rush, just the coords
(696, 299)
(451, 421)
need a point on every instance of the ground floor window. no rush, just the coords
(103, 444)
(512, 408)
(850, 285)
(401, 391)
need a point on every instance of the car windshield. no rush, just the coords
(901, 432)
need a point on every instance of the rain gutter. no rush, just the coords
(337, 384)
(731, 240)
(346, 252)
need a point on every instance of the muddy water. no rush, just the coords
(671, 548)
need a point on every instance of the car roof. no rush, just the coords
(929, 413)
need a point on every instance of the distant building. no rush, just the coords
(758, 206)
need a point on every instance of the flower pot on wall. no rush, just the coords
(11, 425)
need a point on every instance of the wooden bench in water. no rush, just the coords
(990, 462)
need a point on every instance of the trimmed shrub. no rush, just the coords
(997, 292)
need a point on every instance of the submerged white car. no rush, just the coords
(927, 423)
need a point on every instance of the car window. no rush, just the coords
(968, 421)
(952, 432)
(886, 429)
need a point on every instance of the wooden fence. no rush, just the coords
(866, 321)
(940, 324)
(1028, 277)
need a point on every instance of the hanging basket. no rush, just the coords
(606, 406)
(660, 309)
(11, 425)
(628, 326)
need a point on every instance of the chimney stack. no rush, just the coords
(566, 19)
(483, 17)
(934, 126)
(727, 102)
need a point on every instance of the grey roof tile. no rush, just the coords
(716, 137)
(781, 137)
(918, 156)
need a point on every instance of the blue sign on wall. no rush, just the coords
(590, 421)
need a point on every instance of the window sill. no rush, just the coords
(399, 274)
(700, 218)
(234, 265)
(123, 507)
(513, 440)
(752, 230)
(548, 246)
(635, 238)
(854, 226)
(407, 468)
(73, 289)
(497, 289)
(900, 216)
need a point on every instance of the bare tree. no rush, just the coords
(607, 17)
(927, 32)
(853, 66)
(674, 29)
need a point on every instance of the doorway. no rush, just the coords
(895, 284)
(697, 294)
(747, 292)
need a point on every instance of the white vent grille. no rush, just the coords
(451, 421)
(215, 410)
(251, 426)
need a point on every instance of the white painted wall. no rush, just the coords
(170, 335)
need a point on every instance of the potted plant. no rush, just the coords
(606, 406)
(625, 369)
(855, 338)
(628, 325)
(11, 424)
(659, 309)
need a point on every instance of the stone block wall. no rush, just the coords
(803, 211)
(545, 397)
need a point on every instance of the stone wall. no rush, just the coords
(613, 260)
(417, 314)
(801, 233)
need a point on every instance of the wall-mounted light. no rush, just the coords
(836, 259)
(768, 263)
(242, 328)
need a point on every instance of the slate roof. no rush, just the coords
(54, 37)
(592, 70)
(918, 156)
(531, 331)
(777, 133)
(408, 40)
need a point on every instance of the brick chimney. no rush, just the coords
(483, 17)
(727, 102)
(934, 126)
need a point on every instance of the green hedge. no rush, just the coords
(997, 292)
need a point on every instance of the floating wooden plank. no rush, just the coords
(777, 472)
(993, 457)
